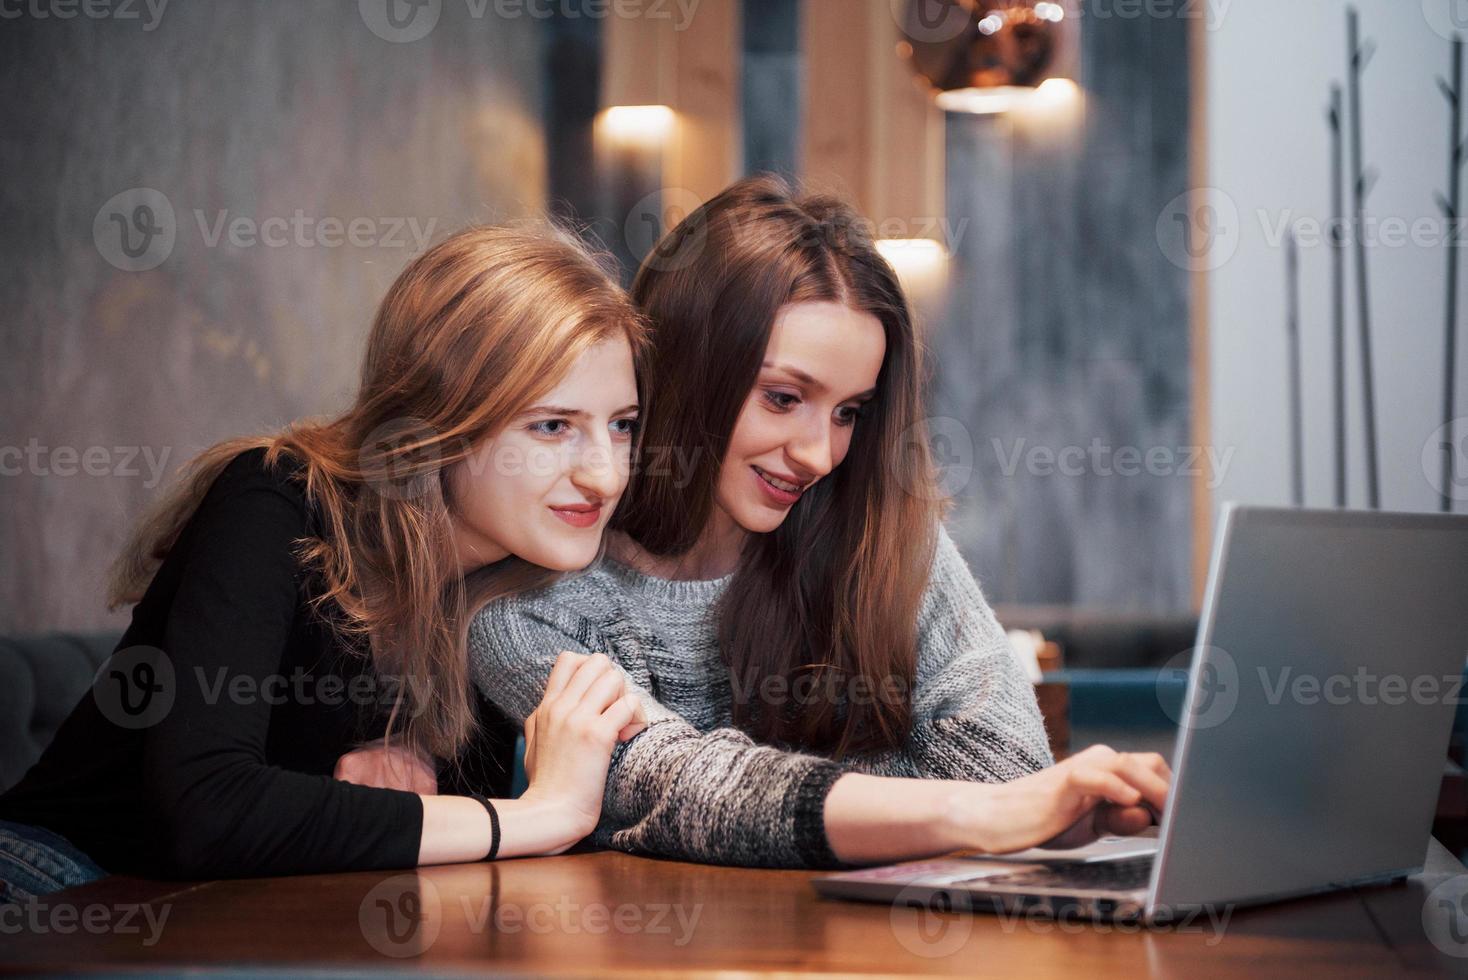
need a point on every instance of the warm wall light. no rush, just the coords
(916, 252)
(642, 124)
(983, 101)
(1051, 93)
(921, 265)
(1056, 91)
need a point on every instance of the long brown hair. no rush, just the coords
(469, 335)
(833, 594)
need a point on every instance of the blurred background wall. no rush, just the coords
(205, 201)
(249, 111)
(1064, 355)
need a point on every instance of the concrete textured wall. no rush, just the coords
(332, 143)
(1063, 359)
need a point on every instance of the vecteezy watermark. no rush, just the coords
(1210, 12)
(137, 687)
(1445, 916)
(826, 687)
(1373, 231)
(1199, 229)
(138, 229)
(41, 916)
(400, 458)
(932, 21)
(147, 12)
(566, 917)
(1208, 702)
(951, 451)
(1448, 441)
(403, 916)
(406, 21)
(36, 459)
(1447, 18)
(1102, 459)
(936, 21)
(653, 216)
(1362, 686)
(930, 922)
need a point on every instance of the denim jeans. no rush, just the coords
(35, 862)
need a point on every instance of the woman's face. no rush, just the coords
(543, 488)
(819, 369)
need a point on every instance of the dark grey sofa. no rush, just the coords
(41, 679)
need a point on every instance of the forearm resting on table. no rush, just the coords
(457, 828)
(876, 819)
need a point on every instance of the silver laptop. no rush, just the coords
(1312, 740)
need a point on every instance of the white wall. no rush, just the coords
(1270, 66)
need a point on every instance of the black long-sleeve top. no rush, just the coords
(233, 777)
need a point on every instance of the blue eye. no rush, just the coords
(549, 427)
(624, 427)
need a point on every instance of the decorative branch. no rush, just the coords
(1362, 182)
(1453, 92)
(1338, 291)
(1292, 335)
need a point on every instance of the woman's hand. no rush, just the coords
(1093, 793)
(388, 767)
(586, 709)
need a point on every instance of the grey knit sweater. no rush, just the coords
(691, 786)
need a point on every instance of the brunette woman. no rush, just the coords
(299, 596)
(824, 680)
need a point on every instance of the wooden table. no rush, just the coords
(606, 914)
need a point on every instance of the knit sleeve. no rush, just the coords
(975, 716)
(715, 797)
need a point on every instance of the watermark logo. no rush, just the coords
(399, 458)
(38, 459)
(150, 12)
(927, 924)
(135, 687)
(951, 449)
(1445, 916)
(42, 917)
(1363, 686)
(1447, 18)
(1199, 230)
(400, 21)
(653, 217)
(931, 21)
(1211, 12)
(401, 916)
(135, 231)
(1212, 700)
(1449, 440)
(406, 21)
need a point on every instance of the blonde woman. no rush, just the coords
(300, 603)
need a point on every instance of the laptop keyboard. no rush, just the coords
(1126, 875)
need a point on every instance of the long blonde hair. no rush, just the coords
(472, 333)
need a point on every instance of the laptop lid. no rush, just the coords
(1327, 669)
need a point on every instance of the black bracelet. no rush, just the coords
(494, 828)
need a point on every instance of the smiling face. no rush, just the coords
(543, 487)
(820, 367)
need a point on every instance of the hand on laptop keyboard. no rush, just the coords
(1093, 793)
